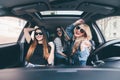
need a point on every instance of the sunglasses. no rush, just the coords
(59, 30)
(40, 33)
(81, 30)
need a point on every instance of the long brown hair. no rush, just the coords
(35, 43)
(87, 35)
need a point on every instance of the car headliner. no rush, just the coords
(6, 4)
(104, 7)
(96, 6)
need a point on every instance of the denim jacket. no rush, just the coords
(78, 55)
(69, 30)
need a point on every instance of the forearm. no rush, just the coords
(69, 30)
(60, 51)
(29, 29)
(62, 54)
(51, 56)
(78, 22)
(27, 34)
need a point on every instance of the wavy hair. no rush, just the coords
(87, 35)
(62, 37)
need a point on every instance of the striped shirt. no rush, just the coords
(58, 44)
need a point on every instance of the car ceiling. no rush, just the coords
(12, 3)
(104, 7)
(85, 5)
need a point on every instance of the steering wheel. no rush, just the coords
(104, 51)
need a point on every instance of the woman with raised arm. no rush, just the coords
(40, 51)
(80, 36)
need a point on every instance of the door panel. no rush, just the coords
(10, 55)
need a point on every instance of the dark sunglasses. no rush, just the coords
(81, 30)
(40, 33)
(59, 30)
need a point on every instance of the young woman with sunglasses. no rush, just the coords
(60, 55)
(80, 35)
(40, 51)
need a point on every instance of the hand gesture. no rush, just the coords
(78, 22)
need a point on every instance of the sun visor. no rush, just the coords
(96, 8)
(30, 8)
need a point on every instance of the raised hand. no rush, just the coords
(78, 22)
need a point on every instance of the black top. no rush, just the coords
(37, 57)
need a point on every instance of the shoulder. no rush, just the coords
(51, 42)
(56, 39)
(86, 43)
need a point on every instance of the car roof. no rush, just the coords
(96, 8)
(91, 6)
(54, 3)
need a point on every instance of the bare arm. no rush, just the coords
(27, 34)
(51, 56)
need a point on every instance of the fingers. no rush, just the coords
(78, 22)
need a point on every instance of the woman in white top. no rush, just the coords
(60, 55)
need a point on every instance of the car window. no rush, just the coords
(10, 29)
(110, 27)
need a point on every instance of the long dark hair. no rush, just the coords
(62, 37)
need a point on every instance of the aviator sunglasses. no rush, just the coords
(40, 33)
(81, 30)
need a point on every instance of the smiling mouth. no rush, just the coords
(77, 33)
(59, 33)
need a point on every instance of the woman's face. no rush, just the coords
(79, 31)
(39, 35)
(59, 32)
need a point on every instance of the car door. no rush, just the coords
(107, 54)
(11, 52)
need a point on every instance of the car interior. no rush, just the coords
(104, 58)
